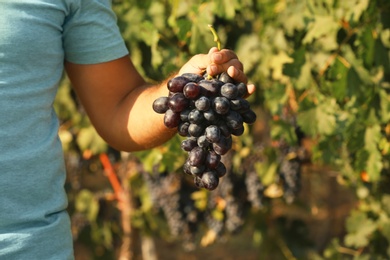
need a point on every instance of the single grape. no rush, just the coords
(210, 180)
(209, 88)
(191, 90)
(224, 77)
(234, 119)
(197, 170)
(249, 117)
(182, 128)
(178, 102)
(198, 182)
(197, 156)
(229, 90)
(192, 77)
(160, 105)
(220, 170)
(188, 144)
(238, 131)
(177, 84)
(195, 130)
(171, 119)
(244, 105)
(184, 115)
(203, 142)
(212, 159)
(210, 115)
(202, 103)
(225, 130)
(221, 105)
(223, 145)
(242, 90)
(187, 168)
(195, 116)
(213, 133)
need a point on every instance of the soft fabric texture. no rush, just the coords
(35, 38)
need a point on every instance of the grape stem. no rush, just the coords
(216, 37)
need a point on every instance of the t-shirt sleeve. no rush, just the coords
(91, 34)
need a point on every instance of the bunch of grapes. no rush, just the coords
(207, 111)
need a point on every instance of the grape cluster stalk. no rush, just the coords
(207, 111)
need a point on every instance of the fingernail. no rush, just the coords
(217, 57)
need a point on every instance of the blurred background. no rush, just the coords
(309, 179)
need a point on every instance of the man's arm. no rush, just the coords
(119, 101)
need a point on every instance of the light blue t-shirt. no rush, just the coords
(36, 36)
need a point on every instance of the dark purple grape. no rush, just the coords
(244, 105)
(187, 168)
(212, 159)
(197, 156)
(234, 119)
(184, 115)
(160, 105)
(182, 128)
(223, 145)
(229, 90)
(225, 130)
(188, 144)
(210, 180)
(210, 115)
(238, 131)
(197, 170)
(192, 77)
(178, 102)
(195, 116)
(213, 133)
(198, 182)
(242, 90)
(221, 105)
(220, 170)
(202, 103)
(209, 88)
(195, 130)
(171, 119)
(191, 90)
(177, 84)
(235, 104)
(224, 77)
(203, 142)
(249, 117)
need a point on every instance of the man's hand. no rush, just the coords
(216, 62)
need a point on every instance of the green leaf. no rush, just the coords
(89, 139)
(374, 161)
(359, 228)
(319, 27)
(337, 79)
(320, 119)
(87, 204)
(266, 172)
(277, 62)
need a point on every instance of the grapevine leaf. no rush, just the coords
(337, 79)
(322, 25)
(89, 139)
(359, 228)
(374, 162)
(87, 204)
(267, 172)
(320, 119)
(277, 62)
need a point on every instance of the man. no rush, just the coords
(38, 39)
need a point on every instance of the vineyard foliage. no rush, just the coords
(320, 66)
